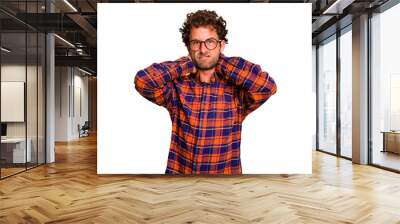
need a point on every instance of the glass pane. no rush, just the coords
(386, 89)
(327, 96)
(41, 98)
(13, 86)
(31, 85)
(346, 94)
(314, 87)
(31, 100)
(23, 89)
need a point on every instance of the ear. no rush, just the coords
(222, 46)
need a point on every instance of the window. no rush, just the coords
(327, 95)
(346, 92)
(385, 88)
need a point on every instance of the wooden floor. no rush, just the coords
(8, 171)
(387, 159)
(5, 172)
(70, 191)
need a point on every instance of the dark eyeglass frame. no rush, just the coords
(199, 42)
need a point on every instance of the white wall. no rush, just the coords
(80, 83)
(70, 83)
(12, 73)
(142, 141)
(62, 81)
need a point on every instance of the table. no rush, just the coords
(15, 148)
(391, 141)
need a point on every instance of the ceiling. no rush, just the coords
(76, 22)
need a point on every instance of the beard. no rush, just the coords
(205, 61)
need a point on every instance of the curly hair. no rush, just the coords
(203, 18)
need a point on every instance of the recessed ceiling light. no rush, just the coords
(64, 40)
(86, 72)
(5, 49)
(338, 6)
(70, 5)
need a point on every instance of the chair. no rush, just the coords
(84, 130)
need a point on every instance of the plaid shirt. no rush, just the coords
(206, 117)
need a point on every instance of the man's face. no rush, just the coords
(204, 58)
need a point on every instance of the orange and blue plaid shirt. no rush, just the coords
(206, 117)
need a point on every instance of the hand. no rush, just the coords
(194, 68)
(218, 67)
(193, 71)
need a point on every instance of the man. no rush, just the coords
(208, 95)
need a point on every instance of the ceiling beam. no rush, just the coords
(337, 6)
(83, 23)
(85, 61)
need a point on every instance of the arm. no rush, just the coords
(255, 86)
(155, 82)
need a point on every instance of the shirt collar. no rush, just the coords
(214, 78)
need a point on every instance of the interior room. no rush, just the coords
(48, 104)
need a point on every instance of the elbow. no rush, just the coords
(274, 89)
(271, 86)
(139, 82)
(138, 77)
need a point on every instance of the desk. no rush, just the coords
(15, 148)
(391, 141)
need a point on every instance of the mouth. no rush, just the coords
(203, 56)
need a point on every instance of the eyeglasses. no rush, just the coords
(211, 44)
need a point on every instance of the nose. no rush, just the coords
(203, 47)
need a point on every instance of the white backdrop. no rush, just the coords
(134, 134)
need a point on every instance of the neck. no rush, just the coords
(205, 75)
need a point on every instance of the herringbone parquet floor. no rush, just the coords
(70, 191)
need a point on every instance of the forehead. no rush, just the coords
(203, 33)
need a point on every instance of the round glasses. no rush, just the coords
(211, 44)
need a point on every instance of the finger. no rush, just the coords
(194, 69)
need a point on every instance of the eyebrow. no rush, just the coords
(205, 39)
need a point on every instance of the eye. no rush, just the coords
(210, 41)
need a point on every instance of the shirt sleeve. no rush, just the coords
(254, 85)
(155, 82)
